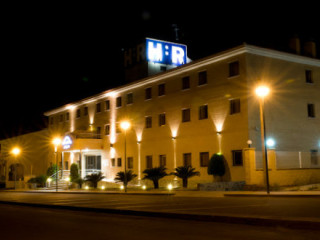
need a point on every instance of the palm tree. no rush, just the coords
(185, 172)
(155, 174)
(94, 178)
(120, 176)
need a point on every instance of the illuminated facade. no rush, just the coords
(186, 114)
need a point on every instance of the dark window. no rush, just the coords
(118, 102)
(149, 122)
(314, 157)
(61, 117)
(148, 93)
(113, 162)
(85, 111)
(202, 78)
(237, 158)
(98, 132)
(311, 110)
(162, 160)
(129, 98)
(149, 161)
(185, 83)
(161, 89)
(107, 102)
(119, 162)
(98, 107)
(187, 159)
(309, 78)
(78, 113)
(118, 128)
(107, 129)
(204, 159)
(162, 119)
(130, 162)
(203, 112)
(234, 69)
(67, 116)
(234, 106)
(186, 117)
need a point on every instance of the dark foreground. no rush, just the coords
(20, 222)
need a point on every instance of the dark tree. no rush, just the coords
(120, 176)
(94, 178)
(155, 174)
(185, 172)
(216, 166)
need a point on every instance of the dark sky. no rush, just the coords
(55, 54)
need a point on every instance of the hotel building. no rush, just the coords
(182, 115)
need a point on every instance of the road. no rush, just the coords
(20, 222)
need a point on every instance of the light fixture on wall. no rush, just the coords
(249, 142)
(218, 133)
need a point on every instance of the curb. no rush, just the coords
(271, 195)
(255, 221)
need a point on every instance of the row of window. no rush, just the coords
(204, 157)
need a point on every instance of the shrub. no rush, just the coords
(120, 176)
(185, 172)
(94, 178)
(39, 180)
(155, 174)
(74, 172)
(216, 166)
(52, 170)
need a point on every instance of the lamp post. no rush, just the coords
(56, 142)
(125, 125)
(15, 152)
(262, 92)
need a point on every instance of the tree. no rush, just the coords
(216, 165)
(94, 178)
(120, 176)
(185, 172)
(79, 181)
(74, 172)
(155, 174)
(52, 170)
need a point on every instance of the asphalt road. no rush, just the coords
(20, 222)
(268, 207)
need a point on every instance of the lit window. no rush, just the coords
(234, 106)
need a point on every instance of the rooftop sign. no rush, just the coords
(66, 142)
(166, 52)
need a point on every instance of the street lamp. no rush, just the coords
(15, 152)
(262, 92)
(56, 142)
(125, 125)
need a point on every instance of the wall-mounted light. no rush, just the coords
(249, 142)
(111, 145)
(173, 138)
(138, 142)
(218, 133)
(270, 142)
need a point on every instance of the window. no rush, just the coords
(78, 114)
(118, 128)
(149, 161)
(118, 102)
(119, 162)
(130, 162)
(234, 69)
(61, 118)
(204, 159)
(314, 157)
(107, 129)
(113, 162)
(237, 158)
(309, 78)
(149, 122)
(234, 106)
(98, 132)
(185, 83)
(107, 105)
(98, 107)
(129, 98)
(202, 78)
(203, 112)
(186, 117)
(162, 160)
(148, 93)
(311, 110)
(187, 159)
(161, 89)
(67, 116)
(93, 161)
(51, 120)
(85, 111)
(162, 119)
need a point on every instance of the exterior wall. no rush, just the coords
(34, 155)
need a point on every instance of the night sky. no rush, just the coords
(55, 54)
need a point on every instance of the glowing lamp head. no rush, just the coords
(56, 141)
(16, 151)
(125, 125)
(271, 142)
(262, 91)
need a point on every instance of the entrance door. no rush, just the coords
(93, 163)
